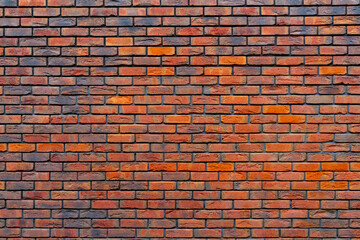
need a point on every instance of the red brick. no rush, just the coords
(179, 119)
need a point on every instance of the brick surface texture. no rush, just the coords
(179, 119)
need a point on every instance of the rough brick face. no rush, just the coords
(172, 119)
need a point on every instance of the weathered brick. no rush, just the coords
(120, 109)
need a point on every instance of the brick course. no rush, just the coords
(171, 119)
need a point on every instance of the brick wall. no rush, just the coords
(179, 119)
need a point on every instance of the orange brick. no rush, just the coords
(333, 185)
(332, 70)
(337, 167)
(279, 147)
(50, 147)
(120, 100)
(232, 60)
(3, 147)
(80, 147)
(161, 71)
(319, 176)
(318, 20)
(159, 51)
(63, 41)
(129, 51)
(177, 119)
(276, 109)
(132, 71)
(226, 167)
(20, 166)
(234, 119)
(162, 167)
(306, 167)
(21, 147)
(32, 3)
(120, 41)
(291, 118)
(234, 100)
(218, 71)
(279, 30)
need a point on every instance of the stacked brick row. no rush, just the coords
(177, 119)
